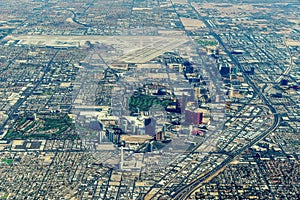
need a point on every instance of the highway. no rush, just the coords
(288, 70)
(186, 191)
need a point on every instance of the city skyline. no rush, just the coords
(149, 99)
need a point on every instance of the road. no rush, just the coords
(186, 191)
(17, 105)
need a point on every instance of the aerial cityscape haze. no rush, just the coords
(149, 99)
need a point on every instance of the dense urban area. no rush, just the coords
(150, 99)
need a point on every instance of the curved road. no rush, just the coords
(186, 191)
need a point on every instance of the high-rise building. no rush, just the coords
(193, 117)
(160, 136)
(224, 70)
(150, 125)
(197, 116)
